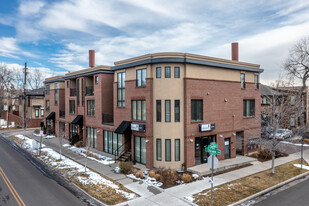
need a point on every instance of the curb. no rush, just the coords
(270, 189)
(53, 174)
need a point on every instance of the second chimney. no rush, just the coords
(235, 56)
(91, 58)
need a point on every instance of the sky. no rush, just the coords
(55, 36)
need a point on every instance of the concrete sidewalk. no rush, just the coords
(170, 196)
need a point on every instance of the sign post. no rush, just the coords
(212, 150)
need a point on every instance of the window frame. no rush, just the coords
(242, 80)
(167, 110)
(121, 76)
(159, 153)
(42, 112)
(178, 73)
(47, 105)
(168, 150)
(72, 107)
(159, 113)
(175, 145)
(158, 72)
(136, 114)
(37, 113)
(91, 108)
(143, 76)
(194, 114)
(167, 74)
(256, 81)
(177, 110)
(250, 110)
(96, 79)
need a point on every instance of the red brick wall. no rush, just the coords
(19, 121)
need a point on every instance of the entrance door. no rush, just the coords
(140, 149)
(239, 142)
(227, 148)
(200, 145)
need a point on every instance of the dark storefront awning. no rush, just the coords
(78, 120)
(124, 127)
(51, 116)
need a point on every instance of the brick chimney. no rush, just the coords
(235, 56)
(91, 58)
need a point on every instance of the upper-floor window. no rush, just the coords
(141, 77)
(292, 120)
(196, 110)
(77, 91)
(47, 105)
(68, 84)
(158, 72)
(37, 113)
(256, 81)
(96, 79)
(177, 149)
(42, 112)
(139, 110)
(176, 72)
(72, 107)
(242, 80)
(265, 100)
(167, 72)
(47, 89)
(121, 77)
(249, 108)
(167, 110)
(56, 93)
(158, 108)
(292, 100)
(177, 110)
(90, 107)
(83, 97)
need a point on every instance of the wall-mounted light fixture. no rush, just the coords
(234, 134)
(146, 140)
(225, 100)
(220, 135)
(191, 140)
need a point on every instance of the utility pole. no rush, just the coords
(25, 82)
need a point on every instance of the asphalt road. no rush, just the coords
(296, 195)
(22, 184)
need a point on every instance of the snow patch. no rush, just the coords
(304, 166)
(285, 142)
(66, 145)
(147, 180)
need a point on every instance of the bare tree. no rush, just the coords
(35, 79)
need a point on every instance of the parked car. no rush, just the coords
(266, 132)
(283, 134)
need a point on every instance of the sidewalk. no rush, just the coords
(170, 196)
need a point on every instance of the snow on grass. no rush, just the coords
(147, 180)
(304, 166)
(189, 198)
(75, 170)
(92, 155)
(49, 137)
(29, 144)
(66, 145)
(285, 142)
(38, 135)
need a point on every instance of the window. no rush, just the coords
(176, 72)
(159, 150)
(112, 142)
(242, 81)
(68, 84)
(167, 110)
(177, 110)
(139, 110)
(29, 102)
(72, 106)
(167, 72)
(92, 137)
(47, 89)
(292, 100)
(96, 79)
(158, 72)
(140, 149)
(77, 91)
(47, 105)
(196, 110)
(90, 107)
(292, 120)
(83, 97)
(168, 150)
(42, 112)
(158, 107)
(141, 77)
(249, 108)
(177, 149)
(37, 113)
(56, 93)
(265, 100)
(256, 81)
(121, 77)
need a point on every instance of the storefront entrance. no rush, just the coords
(140, 149)
(200, 145)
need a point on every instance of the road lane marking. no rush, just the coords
(11, 188)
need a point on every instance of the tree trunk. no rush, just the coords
(273, 162)
(7, 110)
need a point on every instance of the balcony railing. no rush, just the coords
(72, 92)
(89, 91)
(62, 114)
(107, 118)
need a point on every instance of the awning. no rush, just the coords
(78, 120)
(51, 116)
(124, 127)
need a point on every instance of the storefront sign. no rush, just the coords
(207, 127)
(138, 127)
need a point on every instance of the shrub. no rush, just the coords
(137, 174)
(186, 178)
(264, 154)
(125, 167)
(79, 144)
(36, 131)
(152, 173)
(141, 175)
(158, 177)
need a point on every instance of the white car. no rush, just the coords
(283, 134)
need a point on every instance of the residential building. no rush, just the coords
(164, 109)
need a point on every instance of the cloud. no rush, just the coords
(30, 8)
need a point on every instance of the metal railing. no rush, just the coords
(89, 91)
(72, 92)
(107, 118)
(62, 114)
(119, 154)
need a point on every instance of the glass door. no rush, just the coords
(140, 149)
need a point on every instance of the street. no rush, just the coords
(21, 183)
(296, 195)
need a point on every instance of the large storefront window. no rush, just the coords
(92, 137)
(200, 145)
(73, 130)
(140, 149)
(112, 141)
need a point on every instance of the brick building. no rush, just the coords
(163, 109)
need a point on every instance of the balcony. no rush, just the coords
(72, 92)
(89, 91)
(107, 119)
(62, 114)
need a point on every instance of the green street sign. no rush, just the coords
(213, 144)
(212, 149)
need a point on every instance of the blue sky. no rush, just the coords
(55, 36)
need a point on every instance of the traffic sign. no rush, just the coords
(209, 161)
(212, 149)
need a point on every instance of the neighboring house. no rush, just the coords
(162, 109)
(271, 101)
